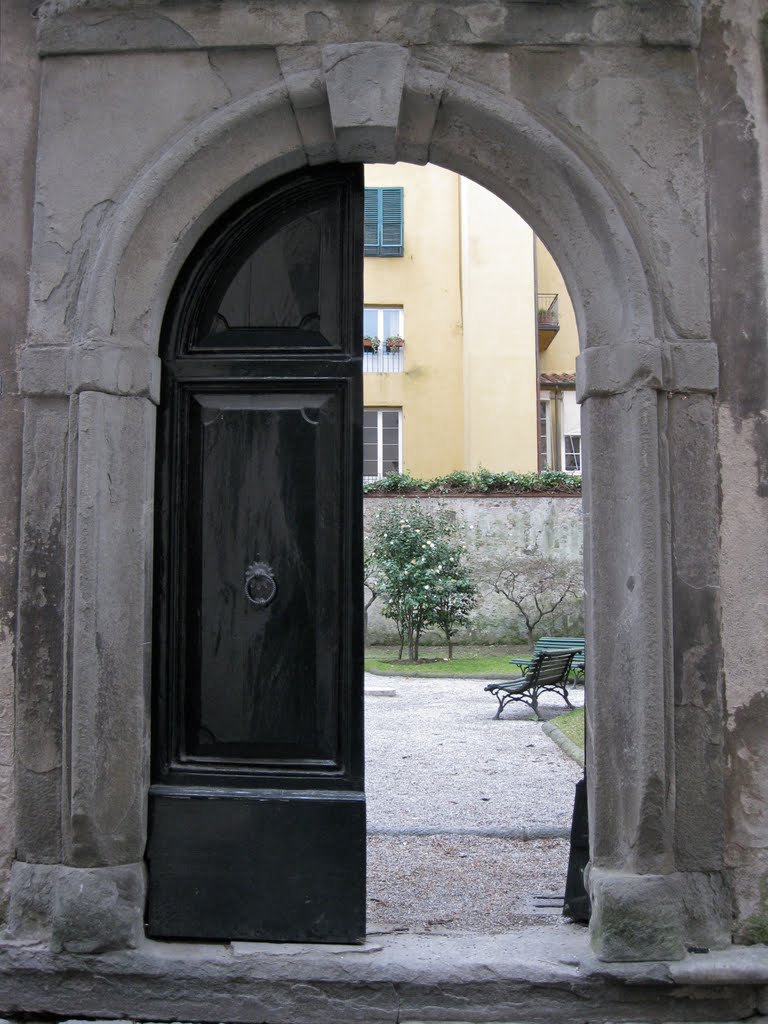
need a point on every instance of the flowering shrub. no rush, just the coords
(421, 573)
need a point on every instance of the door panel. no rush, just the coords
(295, 867)
(257, 812)
(263, 492)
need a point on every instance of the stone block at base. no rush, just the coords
(96, 910)
(77, 910)
(30, 907)
(635, 917)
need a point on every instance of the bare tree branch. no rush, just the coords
(537, 587)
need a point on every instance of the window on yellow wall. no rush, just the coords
(571, 430)
(383, 222)
(382, 443)
(572, 448)
(559, 431)
(545, 432)
(383, 339)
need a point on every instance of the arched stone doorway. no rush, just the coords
(647, 389)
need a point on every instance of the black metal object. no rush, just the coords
(577, 904)
(257, 813)
(546, 673)
(260, 584)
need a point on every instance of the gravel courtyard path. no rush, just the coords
(451, 793)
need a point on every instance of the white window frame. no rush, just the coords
(545, 397)
(380, 441)
(383, 361)
(557, 456)
(571, 418)
(576, 456)
(381, 310)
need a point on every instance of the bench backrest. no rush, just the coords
(562, 643)
(550, 667)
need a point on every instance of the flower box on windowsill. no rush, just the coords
(370, 343)
(394, 343)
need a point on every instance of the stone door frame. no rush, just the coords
(648, 409)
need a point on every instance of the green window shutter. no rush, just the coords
(371, 220)
(383, 222)
(392, 220)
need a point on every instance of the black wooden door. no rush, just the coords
(257, 812)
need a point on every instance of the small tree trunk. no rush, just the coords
(450, 646)
(401, 635)
(366, 606)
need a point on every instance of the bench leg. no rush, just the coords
(508, 698)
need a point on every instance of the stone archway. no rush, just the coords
(653, 892)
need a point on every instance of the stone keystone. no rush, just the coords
(365, 88)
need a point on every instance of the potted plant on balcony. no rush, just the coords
(394, 343)
(371, 343)
(547, 318)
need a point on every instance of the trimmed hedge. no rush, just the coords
(481, 482)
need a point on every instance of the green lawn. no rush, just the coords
(467, 661)
(572, 724)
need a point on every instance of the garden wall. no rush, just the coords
(496, 529)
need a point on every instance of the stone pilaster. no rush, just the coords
(642, 670)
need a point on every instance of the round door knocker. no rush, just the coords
(260, 586)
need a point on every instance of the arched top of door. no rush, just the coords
(324, 109)
(269, 276)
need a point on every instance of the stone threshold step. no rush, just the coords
(534, 975)
(75, 1020)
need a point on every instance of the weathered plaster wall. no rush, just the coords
(733, 70)
(426, 283)
(497, 530)
(19, 73)
(498, 285)
(562, 351)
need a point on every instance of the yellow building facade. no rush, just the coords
(462, 367)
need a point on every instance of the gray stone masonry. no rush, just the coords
(633, 136)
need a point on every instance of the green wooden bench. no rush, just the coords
(547, 673)
(557, 643)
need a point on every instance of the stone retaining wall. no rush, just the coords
(495, 529)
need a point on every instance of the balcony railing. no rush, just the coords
(548, 317)
(548, 312)
(383, 360)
